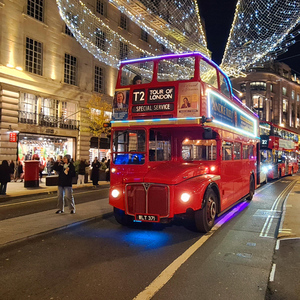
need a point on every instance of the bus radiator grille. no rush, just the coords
(147, 199)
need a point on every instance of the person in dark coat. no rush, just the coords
(12, 169)
(66, 171)
(81, 171)
(5, 172)
(107, 171)
(95, 171)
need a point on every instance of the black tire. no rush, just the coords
(279, 173)
(292, 172)
(251, 188)
(121, 218)
(205, 218)
(266, 181)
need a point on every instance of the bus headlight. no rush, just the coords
(265, 169)
(115, 193)
(113, 170)
(185, 197)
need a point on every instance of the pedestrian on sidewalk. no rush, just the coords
(107, 171)
(5, 172)
(81, 171)
(66, 171)
(12, 169)
(19, 173)
(95, 171)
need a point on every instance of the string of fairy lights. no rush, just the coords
(261, 30)
(174, 24)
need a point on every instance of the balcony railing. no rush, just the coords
(48, 121)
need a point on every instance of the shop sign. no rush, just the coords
(13, 137)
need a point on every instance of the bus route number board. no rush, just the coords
(147, 218)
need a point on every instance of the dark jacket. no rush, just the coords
(81, 167)
(5, 172)
(63, 178)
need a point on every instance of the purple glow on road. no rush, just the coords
(232, 213)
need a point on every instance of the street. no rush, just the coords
(101, 259)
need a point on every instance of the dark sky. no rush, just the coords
(218, 16)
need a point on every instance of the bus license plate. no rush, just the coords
(147, 218)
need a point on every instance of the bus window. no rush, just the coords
(176, 69)
(143, 70)
(245, 151)
(159, 146)
(129, 147)
(237, 151)
(208, 73)
(265, 129)
(251, 152)
(199, 149)
(224, 85)
(227, 151)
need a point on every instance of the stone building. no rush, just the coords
(273, 91)
(47, 77)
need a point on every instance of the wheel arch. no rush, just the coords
(216, 190)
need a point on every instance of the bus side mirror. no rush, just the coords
(208, 134)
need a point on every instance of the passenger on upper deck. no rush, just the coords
(137, 79)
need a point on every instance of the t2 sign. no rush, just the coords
(138, 96)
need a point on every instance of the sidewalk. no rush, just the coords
(21, 228)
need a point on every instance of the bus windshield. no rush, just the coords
(129, 147)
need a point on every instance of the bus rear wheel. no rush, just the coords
(205, 217)
(121, 217)
(251, 189)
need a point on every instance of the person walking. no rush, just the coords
(49, 165)
(5, 172)
(66, 171)
(95, 171)
(107, 171)
(81, 171)
(12, 169)
(19, 172)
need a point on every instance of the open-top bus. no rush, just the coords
(182, 144)
(278, 149)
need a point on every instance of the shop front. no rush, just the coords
(44, 146)
(99, 148)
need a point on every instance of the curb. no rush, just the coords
(44, 233)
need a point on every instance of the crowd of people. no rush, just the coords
(11, 171)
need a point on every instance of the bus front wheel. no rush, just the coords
(251, 188)
(121, 217)
(205, 217)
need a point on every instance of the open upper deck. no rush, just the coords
(179, 87)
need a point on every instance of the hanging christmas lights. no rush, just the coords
(260, 31)
(179, 32)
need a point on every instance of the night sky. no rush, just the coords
(218, 16)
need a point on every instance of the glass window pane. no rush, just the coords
(199, 150)
(176, 69)
(208, 73)
(143, 70)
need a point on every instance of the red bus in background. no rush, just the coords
(182, 144)
(278, 150)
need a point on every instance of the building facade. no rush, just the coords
(47, 78)
(273, 92)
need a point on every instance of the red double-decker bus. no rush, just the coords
(279, 150)
(182, 144)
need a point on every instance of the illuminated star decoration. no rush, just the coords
(259, 29)
(174, 24)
